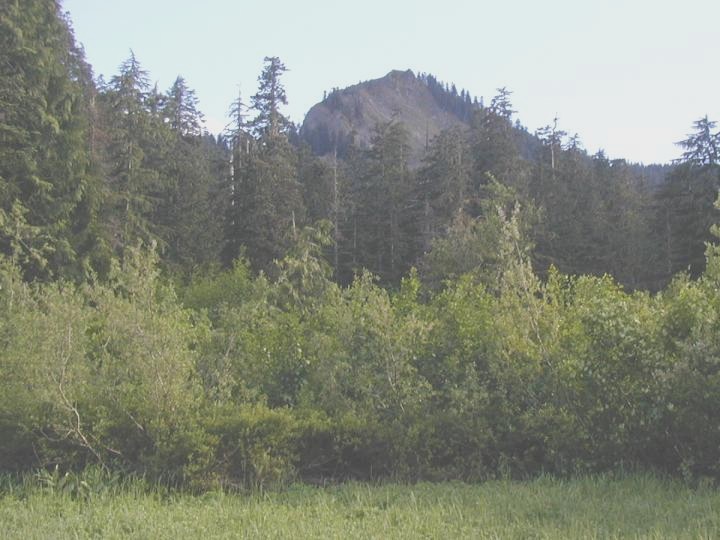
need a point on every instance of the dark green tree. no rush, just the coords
(326, 192)
(552, 140)
(271, 202)
(194, 172)
(702, 147)
(180, 109)
(495, 146)
(444, 185)
(240, 142)
(47, 187)
(387, 235)
(269, 121)
(267, 206)
(136, 143)
(685, 204)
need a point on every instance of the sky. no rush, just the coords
(629, 76)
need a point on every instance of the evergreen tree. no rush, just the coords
(387, 235)
(444, 182)
(241, 142)
(267, 196)
(621, 224)
(552, 140)
(180, 109)
(685, 209)
(563, 188)
(316, 177)
(495, 146)
(597, 213)
(193, 168)
(134, 183)
(46, 181)
(271, 207)
(326, 193)
(702, 147)
(270, 96)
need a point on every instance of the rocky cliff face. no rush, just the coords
(350, 115)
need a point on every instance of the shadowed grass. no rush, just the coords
(637, 506)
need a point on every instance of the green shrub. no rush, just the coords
(256, 446)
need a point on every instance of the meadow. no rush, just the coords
(604, 506)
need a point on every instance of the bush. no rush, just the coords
(256, 446)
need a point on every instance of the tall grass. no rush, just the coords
(636, 506)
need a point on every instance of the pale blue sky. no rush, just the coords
(629, 76)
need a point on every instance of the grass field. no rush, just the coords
(594, 507)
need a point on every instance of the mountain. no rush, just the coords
(424, 105)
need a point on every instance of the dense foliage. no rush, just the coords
(247, 380)
(167, 309)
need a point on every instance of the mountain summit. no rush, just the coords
(420, 102)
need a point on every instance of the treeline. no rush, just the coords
(88, 167)
(233, 309)
(446, 95)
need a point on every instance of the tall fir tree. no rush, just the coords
(268, 206)
(387, 239)
(269, 121)
(241, 143)
(181, 110)
(46, 174)
(495, 146)
(686, 202)
(188, 209)
(444, 183)
(134, 183)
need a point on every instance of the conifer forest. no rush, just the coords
(274, 303)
